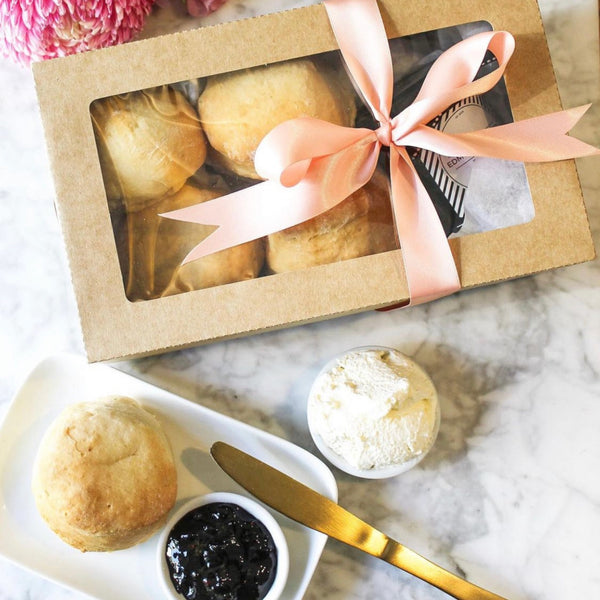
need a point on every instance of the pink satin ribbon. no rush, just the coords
(312, 165)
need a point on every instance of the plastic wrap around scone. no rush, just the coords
(149, 143)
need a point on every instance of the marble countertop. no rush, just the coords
(510, 495)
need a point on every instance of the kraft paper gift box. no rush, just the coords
(117, 325)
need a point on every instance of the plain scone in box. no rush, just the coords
(132, 295)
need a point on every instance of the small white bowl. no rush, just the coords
(256, 510)
(337, 460)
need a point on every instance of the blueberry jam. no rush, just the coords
(219, 551)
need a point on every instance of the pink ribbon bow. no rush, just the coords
(311, 165)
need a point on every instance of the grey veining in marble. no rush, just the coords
(509, 496)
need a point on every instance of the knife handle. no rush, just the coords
(398, 555)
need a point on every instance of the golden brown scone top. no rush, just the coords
(149, 142)
(360, 225)
(104, 477)
(238, 109)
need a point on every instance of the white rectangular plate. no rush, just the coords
(26, 540)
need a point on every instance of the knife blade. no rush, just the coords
(306, 506)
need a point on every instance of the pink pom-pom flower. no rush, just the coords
(34, 30)
(201, 8)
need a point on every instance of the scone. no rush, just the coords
(238, 109)
(157, 246)
(149, 143)
(362, 224)
(104, 476)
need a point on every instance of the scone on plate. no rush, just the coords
(104, 477)
(149, 143)
(360, 225)
(238, 109)
(157, 246)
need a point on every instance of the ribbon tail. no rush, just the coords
(430, 268)
(539, 139)
(250, 214)
(215, 242)
(267, 207)
(238, 217)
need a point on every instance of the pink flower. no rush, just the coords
(201, 8)
(33, 30)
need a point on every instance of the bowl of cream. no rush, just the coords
(373, 412)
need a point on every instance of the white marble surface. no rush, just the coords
(510, 494)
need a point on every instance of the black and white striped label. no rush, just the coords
(451, 173)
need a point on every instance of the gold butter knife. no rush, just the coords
(302, 504)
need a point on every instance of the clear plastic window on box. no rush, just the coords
(173, 146)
